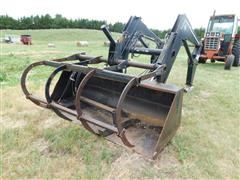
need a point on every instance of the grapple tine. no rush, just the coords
(36, 100)
(124, 139)
(78, 98)
(118, 116)
(47, 93)
(80, 90)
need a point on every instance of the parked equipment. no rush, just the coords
(26, 39)
(11, 38)
(140, 112)
(221, 41)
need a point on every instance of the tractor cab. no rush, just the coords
(224, 27)
(225, 24)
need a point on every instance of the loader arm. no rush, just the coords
(164, 54)
(134, 31)
(179, 35)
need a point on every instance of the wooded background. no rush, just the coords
(60, 22)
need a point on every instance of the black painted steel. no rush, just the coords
(140, 110)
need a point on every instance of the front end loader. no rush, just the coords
(141, 111)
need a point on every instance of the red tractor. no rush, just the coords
(221, 41)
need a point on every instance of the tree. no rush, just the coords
(25, 23)
(199, 32)
(45, 22)
(116, 27)
(160, 34)
(60, 22)
(7, 22)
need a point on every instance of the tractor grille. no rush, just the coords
(211, 42)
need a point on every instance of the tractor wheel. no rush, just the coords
(229, 62)
(236, 53)
(201, 60)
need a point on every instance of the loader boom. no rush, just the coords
(179, 35)
(164, 54)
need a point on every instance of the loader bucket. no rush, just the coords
(142, 116)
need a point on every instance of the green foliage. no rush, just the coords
(64, 141)
(73, 140)
(116, 27)
(161, 34)
(60, 22)
(10, 139)
(199, 32)
(3, 76)
(7, 22)
(47, 22)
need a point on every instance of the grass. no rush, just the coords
(35, 143)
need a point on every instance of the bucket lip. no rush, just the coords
(171, 88)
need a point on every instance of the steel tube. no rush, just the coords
(147, 51)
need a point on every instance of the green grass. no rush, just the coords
(35, 143)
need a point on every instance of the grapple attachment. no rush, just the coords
(140, 112)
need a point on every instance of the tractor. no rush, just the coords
(221, 41)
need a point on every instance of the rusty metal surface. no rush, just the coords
(144, 140)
